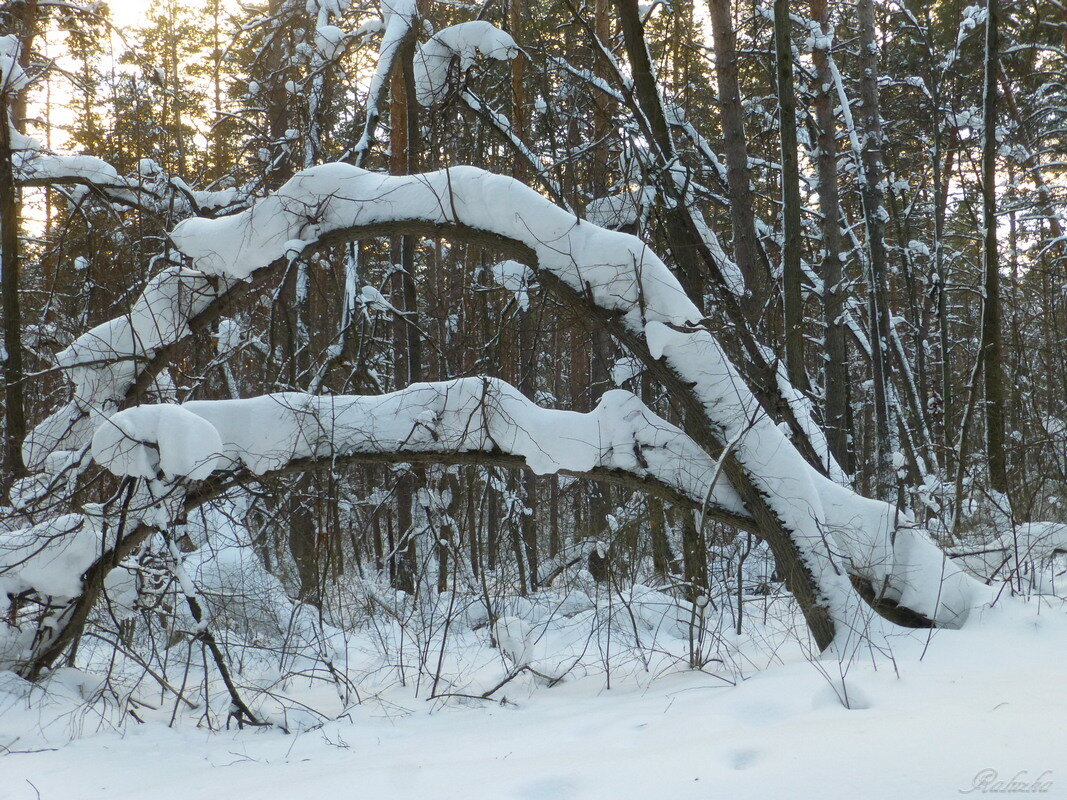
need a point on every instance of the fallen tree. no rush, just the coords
(832, 546)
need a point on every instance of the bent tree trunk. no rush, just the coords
(821, 534)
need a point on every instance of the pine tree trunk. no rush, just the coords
(14, 409)
(874, 215)
(792, 297)
(836, 379)
(407, 347)
(992, 366)
(747, 252)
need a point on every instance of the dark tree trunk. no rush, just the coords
(992, 366)
(747, 252)
(835, 386)
(874, 214)
(792, 297)
(14, 409)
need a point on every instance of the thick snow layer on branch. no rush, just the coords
(398, 16)
(50, 557)
(460, 416)
(12, 77)
(619, 269)
(621, 275)
(465, 41)
(146, 440)
(104, 362)
(149, 188)
(33, 162)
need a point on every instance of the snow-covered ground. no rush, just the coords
(943, 714)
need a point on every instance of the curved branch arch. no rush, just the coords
(821, 533)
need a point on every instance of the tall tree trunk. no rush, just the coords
(835, 380)
(527, 324)
(792, 297)
(992, 366)
(874, 216)
(692, 256)
(646, 92)
(407, 346)
(13, 108)
(747, 251)
(14, 409)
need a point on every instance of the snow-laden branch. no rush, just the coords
(267, 434)
(465, 42)
(399, 16)
(820, 532)
(151, 189)
(828, 529)
(104, 363)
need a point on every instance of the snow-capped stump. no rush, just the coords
(143, 441)
(433, 58)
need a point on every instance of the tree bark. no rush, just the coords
(14, 400)
(835, 374)
(992, 362)
(747, 252)
(874, 215)
(792, 297)
(407, 341)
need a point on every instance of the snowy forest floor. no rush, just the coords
(933, 715)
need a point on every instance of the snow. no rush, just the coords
(465, 41)
(930, 722)
(516, 278)
(398, 16)
(12, 77)
(328, 41)
(337, 196)
(370, 297)
(619, 274)
(49, 557)
(149, 186)
(625, 369)
(36, 164)
(104, 362)
(622, 210)
(463, 415)
(141, 442)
